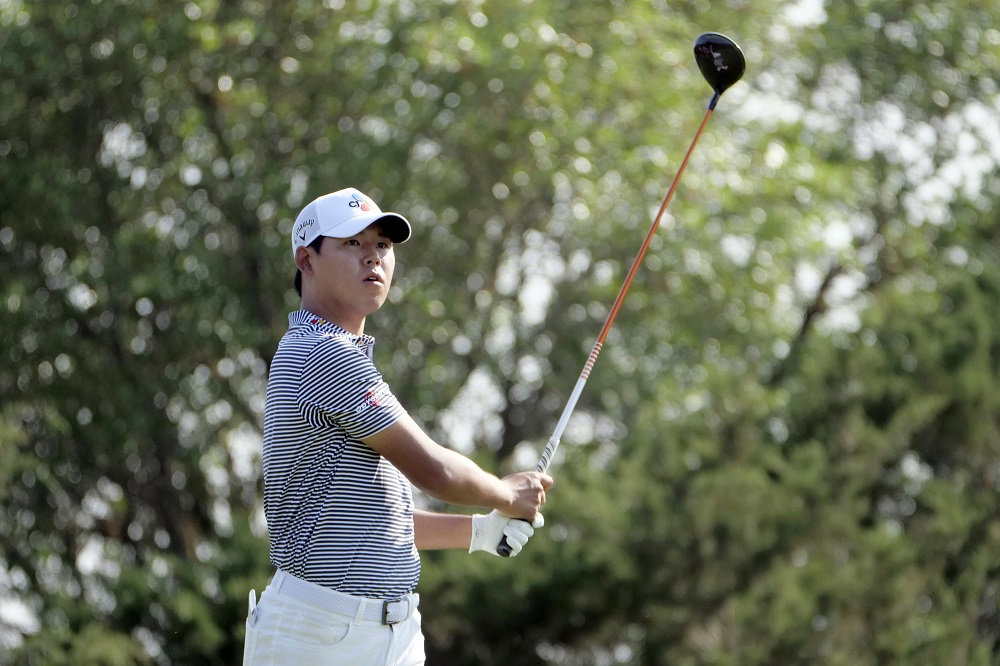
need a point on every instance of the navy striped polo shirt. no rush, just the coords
(339, 514)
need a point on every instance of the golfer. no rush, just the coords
(340, 455)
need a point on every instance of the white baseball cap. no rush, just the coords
(342, 214)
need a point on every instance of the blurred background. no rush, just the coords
(788, 452)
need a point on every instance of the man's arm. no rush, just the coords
(433, 531)
(449, 476)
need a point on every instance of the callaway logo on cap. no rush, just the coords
(342, 214)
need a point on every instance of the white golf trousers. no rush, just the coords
(302, 624)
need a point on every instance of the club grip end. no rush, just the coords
(503, 548)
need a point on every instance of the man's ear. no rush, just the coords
(302, 259)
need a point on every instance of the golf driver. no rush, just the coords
(722, 64)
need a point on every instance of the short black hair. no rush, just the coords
(316, 244)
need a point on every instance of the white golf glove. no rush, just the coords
(489, 530)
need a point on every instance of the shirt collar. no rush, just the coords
(303, 318)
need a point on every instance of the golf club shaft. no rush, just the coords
(553, 444)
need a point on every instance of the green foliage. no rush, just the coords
(93, 644)
(787, 453)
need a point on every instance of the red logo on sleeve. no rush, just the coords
(373, 398)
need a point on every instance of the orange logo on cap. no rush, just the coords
(358, 202)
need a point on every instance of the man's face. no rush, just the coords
(352, 276)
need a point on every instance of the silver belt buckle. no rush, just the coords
(386, 610)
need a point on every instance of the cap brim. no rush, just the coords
(396, 226)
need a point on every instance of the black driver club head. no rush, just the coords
(720, 60)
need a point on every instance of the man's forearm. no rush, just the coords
(443, 474)
(435, 531)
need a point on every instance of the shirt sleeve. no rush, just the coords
(341, 387)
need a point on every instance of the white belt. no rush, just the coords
(386, 611)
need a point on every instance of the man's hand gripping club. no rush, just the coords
(518, 523)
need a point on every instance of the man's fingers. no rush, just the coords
(522, 530)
